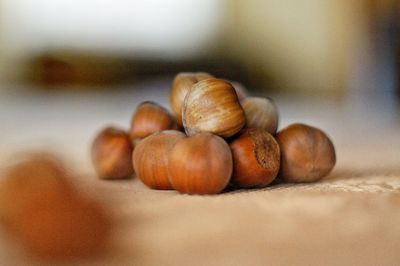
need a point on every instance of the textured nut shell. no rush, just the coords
(180, 87)
(240, 89)
(150, 118)
(112, 154)
(256, 159)
(201, 164)
(150, 158)
(213, 106)
(261, 113)
(307, 153)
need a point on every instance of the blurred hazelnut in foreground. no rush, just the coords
(112, 154)
(47, 215)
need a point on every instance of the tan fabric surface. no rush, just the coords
(268, 227)
(352, 217)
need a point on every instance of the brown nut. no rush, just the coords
(256, 158)
(213, 106)
(261, 113)
(48, 216)
(149, 118)
(307, 153)
(112, 154)
(180, 87)
(201, 164)
(150, 158)
(240, 89)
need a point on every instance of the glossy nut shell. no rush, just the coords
(213, 106)
(307, 153)
(201, 164)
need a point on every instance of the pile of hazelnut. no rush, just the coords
(218, 137)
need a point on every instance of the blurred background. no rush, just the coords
(90, 62)
(296, 46)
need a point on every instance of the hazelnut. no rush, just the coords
(149, 118)
(212, 106)
(47, 215)
(240, 89)
(180, 87)
(150, 158)
(261, 113)
(256, 158)
(307, 153)
(201, 164)
(112, 154)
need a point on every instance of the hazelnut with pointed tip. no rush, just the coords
(240, 89)
(212, 106)
(261, 113)
(180, 87)
(149, 118)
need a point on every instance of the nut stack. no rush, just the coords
(216, 137)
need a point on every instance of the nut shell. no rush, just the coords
(213, 106)
(240, 89)
(150, 158)
(180, 87)
(112, 154)
(256, 159)
(201, 164)
(261, 113)
(149, 118)
(307, 153)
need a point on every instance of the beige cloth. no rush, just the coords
(350, 218)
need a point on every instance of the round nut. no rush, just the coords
(261, 113)
(180, 87)
(112, 154)
(150, 158)
(256, 158)
(201, 164)
(307, 153)
(240, 89)
(213, 106)
(150, 118)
